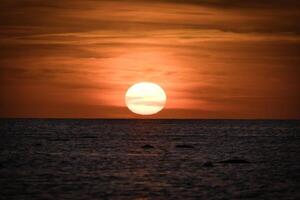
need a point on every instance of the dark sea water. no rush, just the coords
(182, 159)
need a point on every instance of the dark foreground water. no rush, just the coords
(182, 159)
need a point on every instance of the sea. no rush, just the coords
(143, 159)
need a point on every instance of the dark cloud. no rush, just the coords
(54, 50)
(62, 16)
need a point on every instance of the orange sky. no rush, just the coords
(214, 58)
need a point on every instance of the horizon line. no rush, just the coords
(103, 118)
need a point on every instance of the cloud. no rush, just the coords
(143, 101)
(209, 55)
(240, 4)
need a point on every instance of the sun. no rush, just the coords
(145, 98)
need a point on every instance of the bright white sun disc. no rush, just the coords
(145, 98)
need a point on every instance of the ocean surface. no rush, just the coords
(149, 159)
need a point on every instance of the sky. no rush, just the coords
(213, 58)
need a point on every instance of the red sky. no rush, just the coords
(214, 58)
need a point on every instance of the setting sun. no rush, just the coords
(145, 98)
